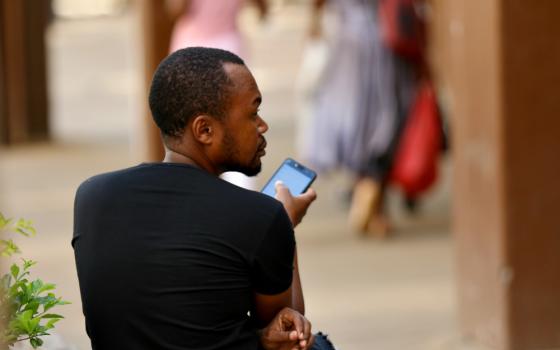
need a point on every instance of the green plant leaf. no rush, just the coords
(34, 324)
(33, 306)
(22, 299)
(49, 302)
(14, 269)
(24, 318)
(51, 322)
(25, 294)
(46, 287)
(35, 286)
(28, 263)
(25, 227)
(4, 222)
(35, 342)
(17, 287)
(8, 248)
(46, 300)
(41, 330)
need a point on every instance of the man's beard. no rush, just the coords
(232, 153)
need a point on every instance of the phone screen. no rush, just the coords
(294, 176)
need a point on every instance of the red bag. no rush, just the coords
(402, 27)
(416, 160)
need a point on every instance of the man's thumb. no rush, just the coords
(280, 187)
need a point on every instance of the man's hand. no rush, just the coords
(289, 330)
(296, 207)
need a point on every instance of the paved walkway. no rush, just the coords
(367, 294)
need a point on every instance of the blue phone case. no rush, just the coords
(294, 175)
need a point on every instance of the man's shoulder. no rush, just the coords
(106, 177)
(253, 198)
(144, 172)
(257, 208)
(109, 182)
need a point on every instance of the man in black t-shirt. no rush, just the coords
(169, 256)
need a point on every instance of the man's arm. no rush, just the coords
(267, 306)
(297, 291)
(296, 207)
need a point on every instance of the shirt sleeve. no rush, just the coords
(272, 268)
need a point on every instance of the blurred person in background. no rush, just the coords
(210, 23)
(358, 107)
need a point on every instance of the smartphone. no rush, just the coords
(294, 175)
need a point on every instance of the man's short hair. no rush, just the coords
(190, 82)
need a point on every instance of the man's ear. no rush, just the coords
(204, 129)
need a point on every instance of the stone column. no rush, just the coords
(503, 61)
(156, 30)
(23, 79)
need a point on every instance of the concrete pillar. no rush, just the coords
(3, 109)
(12, 40)
(23, 80)
(531, 80)
(156, 30)
(503, 62)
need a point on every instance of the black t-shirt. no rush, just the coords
(169, 257)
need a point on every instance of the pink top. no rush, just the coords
(209, 23)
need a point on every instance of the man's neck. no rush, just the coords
(175, 156)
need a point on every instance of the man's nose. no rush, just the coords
(263, 126)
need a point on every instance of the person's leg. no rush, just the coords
(365, 201)
(379, 224)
